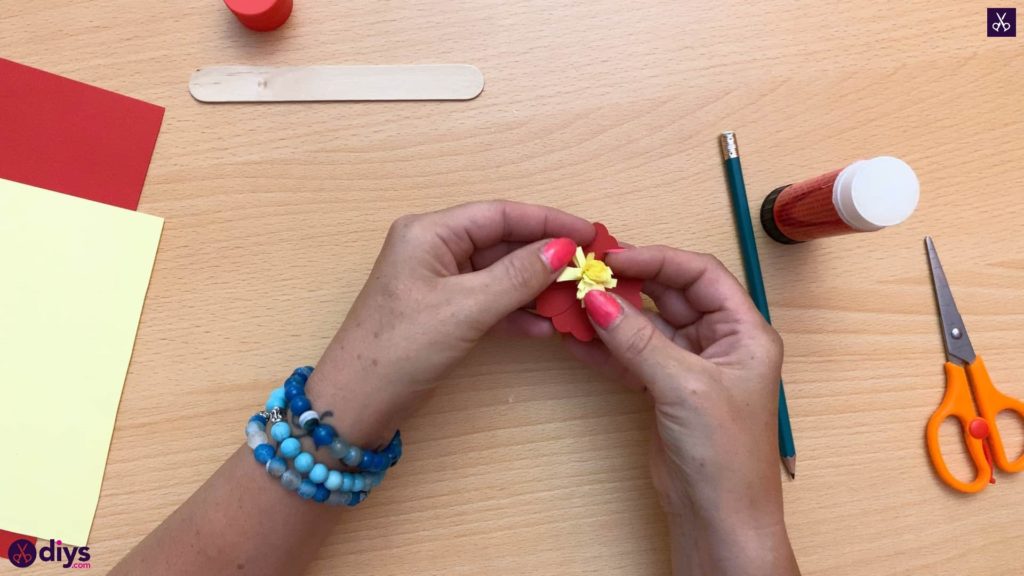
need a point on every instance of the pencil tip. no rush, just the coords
(789, 462)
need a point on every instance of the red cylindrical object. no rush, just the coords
(261, 15)
(805, 212)
(865, 196)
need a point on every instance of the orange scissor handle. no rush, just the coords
(990, 403)
(956, 403)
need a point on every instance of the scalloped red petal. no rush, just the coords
(559, 301)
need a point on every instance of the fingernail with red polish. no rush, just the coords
(602, 307)
(614, 250)
(558, 253)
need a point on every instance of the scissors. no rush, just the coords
(966, 373)
(1005, 26)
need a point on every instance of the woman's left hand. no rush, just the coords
(441, 282)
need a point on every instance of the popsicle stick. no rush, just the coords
(336, 83)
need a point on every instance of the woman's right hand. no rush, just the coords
(712, 364)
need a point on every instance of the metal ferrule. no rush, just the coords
(729, 148)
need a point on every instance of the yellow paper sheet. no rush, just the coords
(73, 277)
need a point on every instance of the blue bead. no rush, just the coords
(280, 431)
(333, 481)
(318, 473)
(307, 489)
(303, 462)
(258, 418)
(323, 435)
(304, 371)
(359, 483)
(263, 453)
(366, 461)
(293, 389)
(356, 498)
(347, 480)
(290, 448)
(321, 493)
(277, 466)
(298, 405)
(275, 402)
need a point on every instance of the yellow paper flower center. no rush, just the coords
(589, 274)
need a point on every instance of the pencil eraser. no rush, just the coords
(261, 15)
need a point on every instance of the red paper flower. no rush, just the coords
(560, 302)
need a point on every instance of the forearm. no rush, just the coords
(241, 520)
(710, 546)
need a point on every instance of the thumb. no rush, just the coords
(517, 278)
(638, 344)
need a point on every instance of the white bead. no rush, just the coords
(307, 416)
(253, 426)
(256, 438)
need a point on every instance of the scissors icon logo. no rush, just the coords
(1002, 21)
(22, 553)
(1001, 25)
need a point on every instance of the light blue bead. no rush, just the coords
(290, 448)
(333, 481)
(280, 431)
(291, 479)
(347, 481)
(359, 483)
(276, 400)
(254, 426)
(354, 456)
(307, 489)
(318, 473)
(277, 466)
(304, 462)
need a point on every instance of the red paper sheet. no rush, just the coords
(8, 538)
(70, 137)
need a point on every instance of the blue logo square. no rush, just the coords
(1002, 22)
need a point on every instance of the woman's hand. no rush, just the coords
(712, 366)
(441, 281)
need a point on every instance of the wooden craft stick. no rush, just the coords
(336, 83)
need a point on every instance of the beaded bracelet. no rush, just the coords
(310, 479)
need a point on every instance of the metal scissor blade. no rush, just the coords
(954, 335)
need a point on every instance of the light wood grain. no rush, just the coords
(524, 463)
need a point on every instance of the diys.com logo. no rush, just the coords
(23, 553)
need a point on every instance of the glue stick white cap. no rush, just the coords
(873, 194)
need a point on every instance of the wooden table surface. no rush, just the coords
(524, 463)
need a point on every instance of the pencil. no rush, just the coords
(755, 282)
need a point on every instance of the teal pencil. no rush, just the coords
(755, 282)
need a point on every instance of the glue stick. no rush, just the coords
(865, 196)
